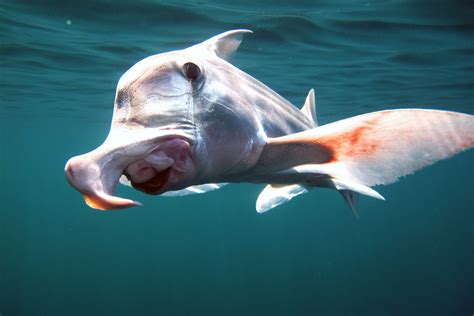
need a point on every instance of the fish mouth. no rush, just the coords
(95, 190)
(162, 168)
(167, 164)
(155, 184)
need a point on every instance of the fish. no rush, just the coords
(189, 122)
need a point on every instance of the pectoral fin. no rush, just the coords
(274, 195)
(195, 189)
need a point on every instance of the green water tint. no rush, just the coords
(213, 254)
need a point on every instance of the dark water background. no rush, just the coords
(213, 254)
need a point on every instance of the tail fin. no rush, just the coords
(379, 147)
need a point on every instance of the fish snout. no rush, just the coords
(69, 171)
(81, 173)
(74, 171)
(95, 184)
(151, 164)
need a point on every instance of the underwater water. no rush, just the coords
(212, 254)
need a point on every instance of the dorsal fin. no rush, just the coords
(225, 44)
(309, 107)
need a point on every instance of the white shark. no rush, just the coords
(188, 121)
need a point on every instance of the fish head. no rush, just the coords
(164, 125)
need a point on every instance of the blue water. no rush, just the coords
(212, 254)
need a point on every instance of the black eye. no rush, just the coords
(191, 71)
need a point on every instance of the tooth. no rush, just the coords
(125, 181)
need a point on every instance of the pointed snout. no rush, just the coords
(96, 173)
(72, 169)
(86, 177)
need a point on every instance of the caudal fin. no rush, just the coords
(379, 147)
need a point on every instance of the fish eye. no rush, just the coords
(191, 71)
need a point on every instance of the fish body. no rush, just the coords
(188, 121)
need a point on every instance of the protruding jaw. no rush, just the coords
(96, 190)
(153, 165)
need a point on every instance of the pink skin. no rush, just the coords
(162, 168)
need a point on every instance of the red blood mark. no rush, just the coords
(360, 143)
(356, 135)
(353, 143)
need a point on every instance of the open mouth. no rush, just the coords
(153, 185)
(165, 163)
(168, 166)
